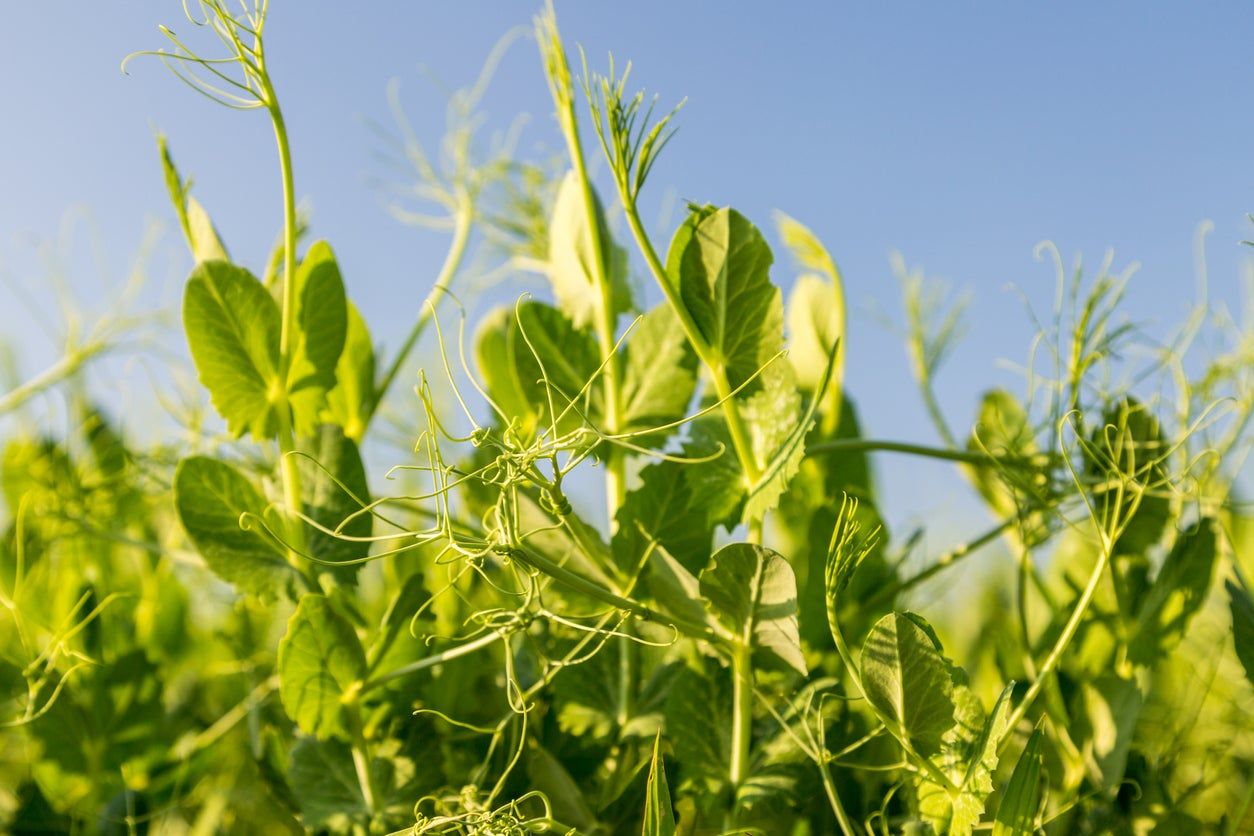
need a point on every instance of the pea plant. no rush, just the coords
(248, 630)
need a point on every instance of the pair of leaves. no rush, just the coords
(233, 328)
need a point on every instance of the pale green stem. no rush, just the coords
(974, 457)
(463, 222)
(67, 366)
(742, 714)
(1064, 639)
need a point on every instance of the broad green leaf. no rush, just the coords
(334, 492)
(325, 784)
(555, 363)
(351, 401)
(550, 777)
(907, 679)
(320, 666)
(660, 371)
(572, 267)
(494, 357)
(721, 265)
(814, 327)
(1178, 592)
(1242, 608)
(698, 726)
(412, 595)
(232, 326)
(659, 818)
(1016, 814)
(322, 326)
(666, 508)
(968, 756)
(211, 497)
(1106, 712)
(676, 590)
(752, 592)
(816, 313)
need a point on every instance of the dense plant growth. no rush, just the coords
(251, 631)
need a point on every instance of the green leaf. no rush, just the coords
(1002, 429)
(198, 229)
(814, 327)
(232, 326)
(1178, 592)
(1016, 815)
(675, 589)
(351, 401)
(320, 666)
(1129, 447)
(322, 326)
(546, 347)
(721, 265)
(325, 784)
(659, 818)
(211, 497)
(906, 678)
(752, 592)
(333, 489)
(1105, 714)
(412, 595)
(494, 356)
(550, 777)
(698, 726)
(666, 508)
(572, 269)
(1242, 608)
(660, 373)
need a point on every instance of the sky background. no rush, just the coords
(959, 134)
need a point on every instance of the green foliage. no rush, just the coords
(292, 639)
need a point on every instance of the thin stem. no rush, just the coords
(1064, 639)
(462, 224)
(67, 366)
(975, 457)
(432, 661)
(742, 714)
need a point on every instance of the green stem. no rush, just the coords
(49, 377)
(361, 759)
(431, 661)
(829, 787)
(463, 222)
(1064, 639)
(975, 457)
(742, 714)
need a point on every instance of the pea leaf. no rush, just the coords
(232, 326)
(1016, 814)
(554, 362)
(660, 373)
(906, 678)
(572, 269)
(666, 508)
(659, 818)
(211, 496)
(1002, 429)
(720, 263)
(698, 725)
(1242, 609)
(752, 592)
(333, 490)
(320, 663)
(351, 401)
(322, 326)
(1178, 592)
(494, 356)
(1128, 446)
(198, 229)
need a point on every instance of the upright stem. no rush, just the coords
(463, 222)
(287, 441)
(1064, 639)
(742, 713)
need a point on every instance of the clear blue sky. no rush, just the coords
(960, 134)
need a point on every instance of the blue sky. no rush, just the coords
(959, 134)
